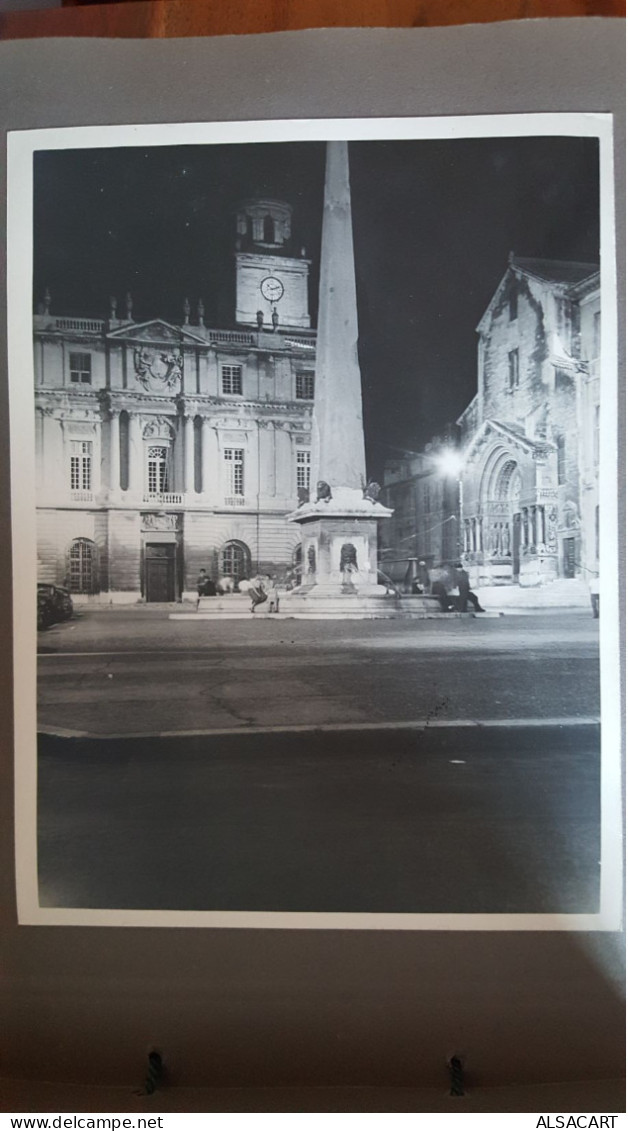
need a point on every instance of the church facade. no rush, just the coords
(162, 449)
(519, 502)
(530, 436)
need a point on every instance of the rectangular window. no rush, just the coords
(561, 461)
(80, 465)
(513, 369)
(231, 380)
(303, 468)
(305, 386)
(427, 498)
(157, 470)
(234, 467)
(81, 368)
(512, 305)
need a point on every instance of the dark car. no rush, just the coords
(54, 604)
(45, 607)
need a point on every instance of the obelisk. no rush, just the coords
(339, 521)
(338, 456)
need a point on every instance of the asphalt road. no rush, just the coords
(444, 820)
(329, 766)
(136, 672)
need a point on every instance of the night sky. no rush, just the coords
(434, 222)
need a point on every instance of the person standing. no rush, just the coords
(201, 585)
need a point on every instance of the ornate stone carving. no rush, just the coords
(570, 519)
(157, 369)
(551, 536)
(160, 522)
(157, 427)
(323, 491)
(348, 566)
(372, 491)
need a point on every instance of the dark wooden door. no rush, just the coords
(516, 544)
(160, 572)
(570, 557)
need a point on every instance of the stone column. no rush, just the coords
(540, 524)
(136, 454)
(206, 470)
(188, 474)
(114, 451)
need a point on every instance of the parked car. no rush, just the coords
(54, 604)
(45, 607)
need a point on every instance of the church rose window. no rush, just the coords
(81, 368)
(80, 465)
(83, 566)
(157, 470)
(305, 386)
(232, 380)
(303, 468)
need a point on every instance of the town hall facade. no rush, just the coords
(163, 449)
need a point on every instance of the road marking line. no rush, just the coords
(300, 728)
(217, 651)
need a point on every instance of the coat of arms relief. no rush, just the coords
(158, 369)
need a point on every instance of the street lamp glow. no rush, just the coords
(450, 462)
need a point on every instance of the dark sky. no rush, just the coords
(434, 222)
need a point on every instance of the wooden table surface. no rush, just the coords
(172, 18)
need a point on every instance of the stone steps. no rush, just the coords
(294, 606)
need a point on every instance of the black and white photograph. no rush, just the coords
(314, 497)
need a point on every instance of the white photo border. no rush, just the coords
(21, 148)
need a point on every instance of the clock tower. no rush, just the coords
(271, 281)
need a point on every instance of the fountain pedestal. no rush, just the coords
(339, 557)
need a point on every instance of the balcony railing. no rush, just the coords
(164, 499)
(87, 325)
(82, 496)
(231, 337)
(293, 340)
(235, 501)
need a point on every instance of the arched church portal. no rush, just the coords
(495, 534)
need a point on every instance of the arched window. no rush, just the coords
(83, 571)
(235, 561)
(157, 470)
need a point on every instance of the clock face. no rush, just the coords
(271, 288)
